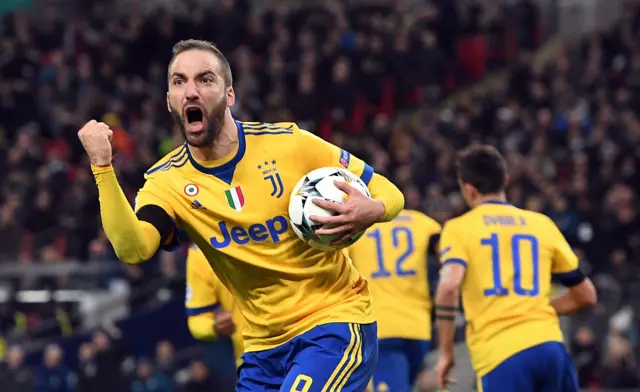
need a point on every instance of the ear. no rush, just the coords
(470, 190)
(231, 96)
(168, 105)
(507, 179)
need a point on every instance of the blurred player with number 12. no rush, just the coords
(393, 256)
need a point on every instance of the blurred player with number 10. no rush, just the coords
(309, 325)
(502, 259)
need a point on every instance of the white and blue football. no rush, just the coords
(320, 184)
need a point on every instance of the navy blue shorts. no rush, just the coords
(399, 362)
(546, 367)
(329, 357)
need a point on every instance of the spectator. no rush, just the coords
(148, 379)
(10, 232)
(165, 359)
(586, 356)
(87, 371)
(109, 361)
(16, 377)
(199, 378)
(54, 375)
(620, 368)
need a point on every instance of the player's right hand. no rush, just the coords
(443, 368)
(224, 324)
(96, 140)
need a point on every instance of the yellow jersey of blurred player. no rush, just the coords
(210, 307)
(502, 260)
(308, 320)
(212, 313)
(393, 256)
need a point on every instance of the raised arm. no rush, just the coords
(134, 240)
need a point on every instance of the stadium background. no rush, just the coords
(554, 84)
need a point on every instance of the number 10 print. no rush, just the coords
(516, 240)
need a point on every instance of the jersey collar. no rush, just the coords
(225, 171)
(502, 202)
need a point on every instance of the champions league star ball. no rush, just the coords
(320, 184)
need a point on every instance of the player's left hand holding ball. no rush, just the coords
(352, 217)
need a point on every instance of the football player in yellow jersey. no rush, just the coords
(502, 260)
(210, 307)
(212, 313)
(308, 319)
(393, 258)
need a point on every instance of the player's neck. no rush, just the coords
(226, 143)
(495, 197)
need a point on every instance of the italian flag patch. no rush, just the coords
(235, 198)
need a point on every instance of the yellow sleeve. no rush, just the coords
(452, 247)
(201, 291)
(153, 207)
(201, 326)
(152, 193)
(201, 297)
(133, 240)
(326, 154)
(565, 263)
(389, 194)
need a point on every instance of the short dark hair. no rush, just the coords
(483, 167)
(196, 44)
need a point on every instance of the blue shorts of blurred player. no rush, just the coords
(399, 363)
(546, 367)
(329, 357)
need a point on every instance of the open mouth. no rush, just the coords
(194, 118)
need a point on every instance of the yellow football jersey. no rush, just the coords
(235, 211)
(393, 258)
(205, 293)
(510, 255)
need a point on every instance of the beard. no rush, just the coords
(213, 120)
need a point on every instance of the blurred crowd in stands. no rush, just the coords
(103, 365)
(371, 78)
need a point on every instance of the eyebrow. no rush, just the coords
(201, 74)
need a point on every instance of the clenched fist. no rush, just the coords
(96, 140)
